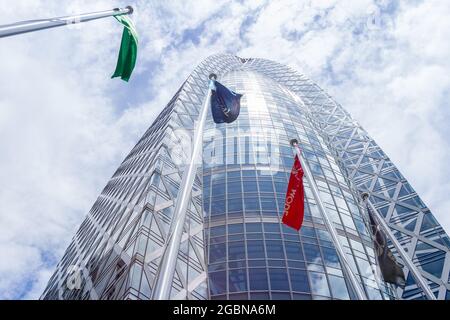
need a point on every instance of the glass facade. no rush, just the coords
(233, 244)
(245, 173)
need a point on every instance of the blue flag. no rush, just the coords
(225, 104)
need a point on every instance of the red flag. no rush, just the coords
(294, 207)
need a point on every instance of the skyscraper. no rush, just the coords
(233, 244)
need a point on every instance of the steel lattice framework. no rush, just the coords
(118, 247)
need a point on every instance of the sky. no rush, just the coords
(65, 126)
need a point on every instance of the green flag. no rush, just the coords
(128, 49)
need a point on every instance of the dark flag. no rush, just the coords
(294, 207)
(225, 104)
(390, 269)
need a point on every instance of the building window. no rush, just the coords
(258, 279)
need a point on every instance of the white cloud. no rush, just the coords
(65, 126)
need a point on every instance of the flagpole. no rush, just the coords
(164, 278)
(41, 24)
(406, 259)
(357, 289)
